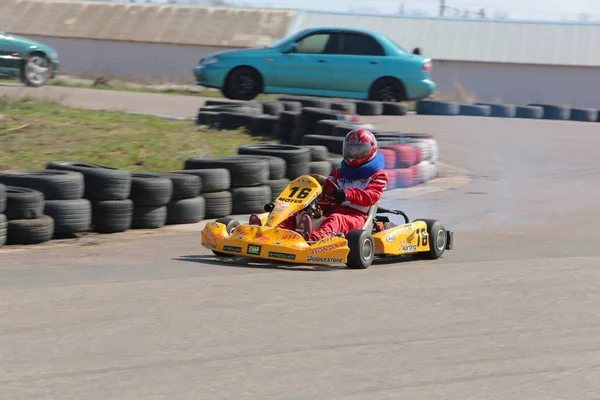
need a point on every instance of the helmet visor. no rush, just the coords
(352, 151)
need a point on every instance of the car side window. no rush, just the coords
(360, 45)
(313, 44)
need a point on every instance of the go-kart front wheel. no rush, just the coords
(230, 224)
(436, 232)
(362, 249)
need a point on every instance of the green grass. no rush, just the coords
(34, 132)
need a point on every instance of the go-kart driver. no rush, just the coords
(361, 180)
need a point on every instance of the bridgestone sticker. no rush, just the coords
(282, 255)
(324, 259)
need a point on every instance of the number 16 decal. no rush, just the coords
(299, 195)
(422, 237)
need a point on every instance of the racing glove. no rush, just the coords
(339, 195)
(269, 207)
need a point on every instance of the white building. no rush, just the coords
(500, 61)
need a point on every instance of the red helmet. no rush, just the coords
(360, 147)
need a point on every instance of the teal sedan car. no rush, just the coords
(324, 62)
(31, 62)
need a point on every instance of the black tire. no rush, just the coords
(297, 158)
(264, 125)
(3, 228)
(149, 217)
(218, 204)
(70, 216)
(101, 182)
(230, 225)
(248, 200)
(584, 115)
(342, 129)
(326, 126)
(394, 109)
(473, 110)
(277, 186)
(435, 229)
(529, 112)
(553, 112)
(2, 198)
(231, 121)
(272, 107)
(307, 102)
(362, 249)
(244, 171)
(295, 106)
(310, 116)
(347, 107)
(54, 184)
(243, 84)
(387, 90)
(336, 160)
(185, 186)
(321, 167)
(318, 152)
(288, 121)
(23, 203)
(45, 62)
(212, 179)
(500, 110)
(150, 190)
(186, 211)
(112, 216)
(30, 231)
(434, 107)
(209, 118)
(333, 143)
(369, 108)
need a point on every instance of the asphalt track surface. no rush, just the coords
(510, 313)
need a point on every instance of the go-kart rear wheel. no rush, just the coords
(362, 249)
(230, 224)
(436, 232)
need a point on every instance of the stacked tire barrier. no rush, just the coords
(529, 111)
(72, 197)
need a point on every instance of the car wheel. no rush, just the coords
(36, 71)
(230, 224)
(436, 232)
(362, 249)
(387, 90)
(243, 84)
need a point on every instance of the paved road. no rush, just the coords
(511, 313)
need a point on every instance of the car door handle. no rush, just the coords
(322, 61)
(373, 62)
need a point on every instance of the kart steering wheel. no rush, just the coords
(323, 180)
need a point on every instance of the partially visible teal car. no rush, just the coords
(31, 62)
(325, 62)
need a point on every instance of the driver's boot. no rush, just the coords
(254, 220)
(304, 226)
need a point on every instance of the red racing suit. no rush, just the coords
(361, 194)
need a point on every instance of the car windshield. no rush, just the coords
(278, 43)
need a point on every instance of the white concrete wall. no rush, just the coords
(127, 59)
(521, 84)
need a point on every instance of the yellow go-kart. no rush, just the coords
(357, 249)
